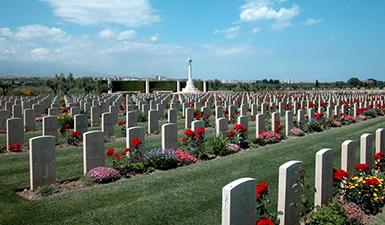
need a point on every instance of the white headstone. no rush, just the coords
(93, 150)
(15, 132)
(348, 157)
(366, 149)
(323, 177)
(288, 193)
(42, 165)
(169, 136)
(239, 202)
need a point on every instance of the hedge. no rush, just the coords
(129, 85)
(167, 85)
(140, 85)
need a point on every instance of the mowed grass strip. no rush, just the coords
(187, 195)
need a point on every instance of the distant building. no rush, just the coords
(287, 81)
(229, 81)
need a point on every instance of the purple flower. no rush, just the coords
(297, 132)
(103, 174)
(355, 213)
(233, 147)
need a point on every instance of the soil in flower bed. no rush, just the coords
(55, 189)
(67, 186)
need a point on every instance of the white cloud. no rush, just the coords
(281, 25)
(227, 51)
(312, 21)
(234, 52)
(252, 13)
(229, 33)
(154, 37)
(39, 54)
(36, 31)
(130, 13)
(106, 33)
(125, 35)
(140, 56)
(255, 30)
(5, 31)
(264, 10)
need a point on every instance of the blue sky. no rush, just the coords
(303, 40)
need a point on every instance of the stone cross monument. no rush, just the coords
(190, 88)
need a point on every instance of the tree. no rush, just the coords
(316, 84)
(354, 82)
(6, 85)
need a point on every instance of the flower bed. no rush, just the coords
(103, 175)
(268, 137)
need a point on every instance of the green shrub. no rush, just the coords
(162, 159)
(258, 141)
(371, 113)
(133, 168)
(48, 190)
(141, 117)
(216, 145)
(313, 126)
(64, 119)
(3, 148)
(331, 214)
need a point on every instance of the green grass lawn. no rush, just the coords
(187, 195)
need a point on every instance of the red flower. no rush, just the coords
(276, 122)
(260, 189)
(110, 152)
(264, 221)
(184, 140)
(122, 123)
(125, 151)
(75, 134)
(189, 133)
(240, 128)
(200, 130)
(363, 167)
(318, 115)
(67, 126)
(372, 181)
(207, 116)
(136, 141)
(230, 133)
(117, 156)
(16, 147)
(339, 174)
(379, 155)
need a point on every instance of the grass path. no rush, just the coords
(187, 195)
